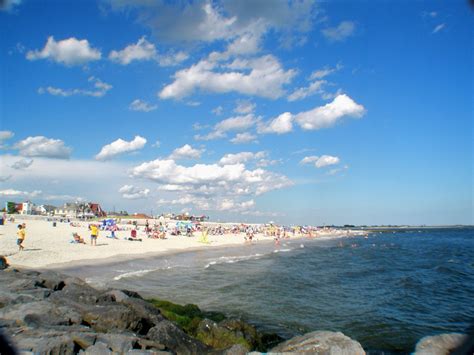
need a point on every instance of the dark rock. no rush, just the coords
(132, 294)
(48, 342)
(51, 280)
(175, 339)
(3, 262)
(320, 342)
(442, 344)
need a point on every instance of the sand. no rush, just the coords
(49, 247)
(46, 245)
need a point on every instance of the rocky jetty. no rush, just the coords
(442, 344)
(50, 313)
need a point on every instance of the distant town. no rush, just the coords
(85, 211)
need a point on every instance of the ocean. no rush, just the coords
(386, 291)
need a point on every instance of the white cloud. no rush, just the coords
(206, 185)
(319, 162)
(18, 193)
(143, 106)
(5, 135)
(280, 125)
(314, 88)
(329, 114)
(212, 21)
(242, 157)
(245, 137)
(341, 32)
(22, 164)
(218, 110)
(140, 51)
(172, 59)
(326, 160)
(236, 123)
(120, 147)
(69, 52)
(261, 76)
(186, 152)
(131, 192)
(244, 107)
(100, 89)
(4, 178)
(439, 28)
(40, 146)
(157, 144)
(322, 73)
(308, 160)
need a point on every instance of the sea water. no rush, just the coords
(386, 291)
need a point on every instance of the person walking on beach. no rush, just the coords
(94, 234)
(21, 236)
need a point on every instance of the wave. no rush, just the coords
(139, 272)
(232, 259)
(282, 250)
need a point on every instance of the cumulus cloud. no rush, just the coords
(313, 88)
(339, 33)
(244, 107)
(131, 192)
(329, 114)
(68, 52)
(143, 106)
(171, 59)
(263, 76)
(245, 137)
(212, 21)
(140, 51)
(241, 157)
(22, 164)
(326, 160)
(207, 185)
(100, 89)
(119, 147)
(186, 152)
(236, 123)
(5, 135)
(40, 146)
(218, 110)
(309, 160)
(7, 5)
(320, 162)
(279, 125)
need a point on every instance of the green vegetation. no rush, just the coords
(187, 317)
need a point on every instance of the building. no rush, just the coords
(45, 210)
(80, 210)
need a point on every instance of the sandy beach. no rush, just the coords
(46, 245)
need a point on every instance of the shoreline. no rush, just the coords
(48, 247)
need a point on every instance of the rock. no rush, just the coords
(117, 296)
(439, 344)
(50, 342)
(115, 318)
(40, 313)
(97, 349)
(51, 280)
(175, 339)
(235, 350)
(3, 262)
(227, 333)
(320, 342)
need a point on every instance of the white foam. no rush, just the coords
(232, 259)
(139, 272)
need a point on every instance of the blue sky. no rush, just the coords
(298, 112)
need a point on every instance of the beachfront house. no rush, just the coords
(45, 210)
(83, 210)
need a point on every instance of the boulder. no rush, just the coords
(320, 342)
(227, 333)
(175, 339)
(439, 344)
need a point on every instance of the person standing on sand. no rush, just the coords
(94, 234)
(21, 237)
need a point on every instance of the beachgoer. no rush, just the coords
(94, 234)
(78, 238)
(21, 234)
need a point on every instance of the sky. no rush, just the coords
(298, 112)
